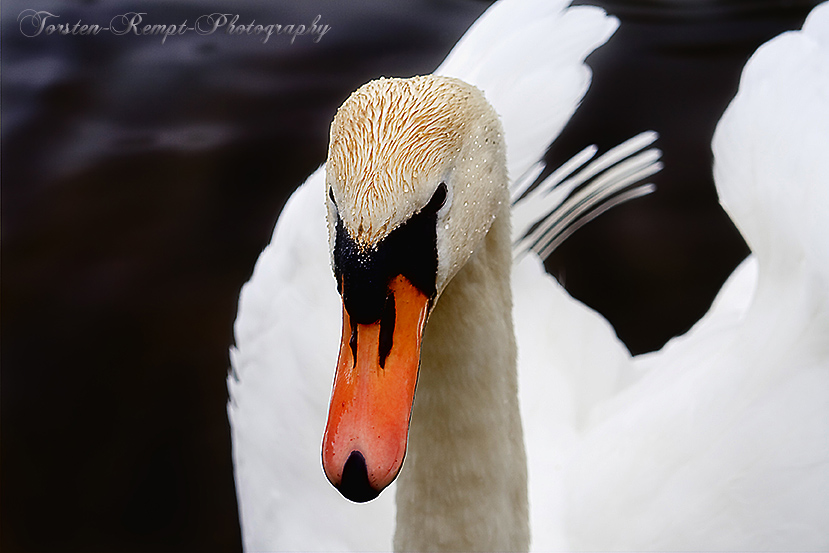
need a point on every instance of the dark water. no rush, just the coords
(140, 181)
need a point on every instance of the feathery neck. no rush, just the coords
(464, 481)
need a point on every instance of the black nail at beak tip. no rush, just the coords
(354, 484)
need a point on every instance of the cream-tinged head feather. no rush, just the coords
(394, 141)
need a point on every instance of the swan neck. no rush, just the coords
(463, 485)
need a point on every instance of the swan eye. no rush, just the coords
(438, 199)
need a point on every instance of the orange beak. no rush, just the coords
(368, 419)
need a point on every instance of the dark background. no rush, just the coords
(141, 180)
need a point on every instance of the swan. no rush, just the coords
(282, 364)
(717, 441)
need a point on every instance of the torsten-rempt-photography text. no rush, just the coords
(34, 23)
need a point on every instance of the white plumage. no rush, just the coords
(718, 441)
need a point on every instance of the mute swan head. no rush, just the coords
(394, 142)
(416, 175)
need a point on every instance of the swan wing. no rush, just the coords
(569, 360)
(528, 58)
(775, 135)
(721, 442)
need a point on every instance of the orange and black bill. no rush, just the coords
(387, 291)
(368, 419)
